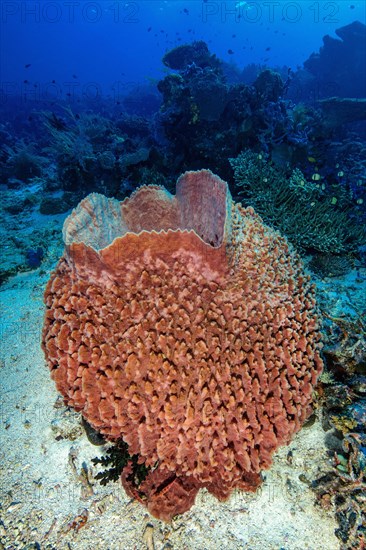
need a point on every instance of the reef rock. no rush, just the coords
(339, 110)
(338, 67)
(197, 53)
(185, 326)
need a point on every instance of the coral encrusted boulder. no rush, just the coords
(185, 326)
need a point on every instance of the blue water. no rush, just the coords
(107, 46)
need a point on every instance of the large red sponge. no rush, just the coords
(185, 326)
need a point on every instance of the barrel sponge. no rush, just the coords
(184, 325)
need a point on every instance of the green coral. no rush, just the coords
(312, 217)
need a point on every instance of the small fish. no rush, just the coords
(25, 81)
(77, 116)
(74, 76)
(230, 52)
(352, 7)
(186, 11)
(27, 65)
(311, 159)
(53, 82)
(267, 49)
(233, 36)
(149, 29)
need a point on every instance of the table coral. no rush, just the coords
(185, 326)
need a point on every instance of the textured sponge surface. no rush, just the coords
(201, 356)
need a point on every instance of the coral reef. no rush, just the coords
(25, 239)
(342, 162)
(207, 118)
(20, 162)
(196, 54)
(269, 85)
(80, 146)
(93, 153)
(313, 217)
(328, 265)
(340, 111)
(346, 487)
(343, 395)
(346, 347)
(185, 326)
(331, 67)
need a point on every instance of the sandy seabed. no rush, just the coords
(51, 500)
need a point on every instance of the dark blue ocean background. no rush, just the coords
(107, 46)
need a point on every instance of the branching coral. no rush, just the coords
(302, 210)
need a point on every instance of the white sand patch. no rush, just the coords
(41, 495)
